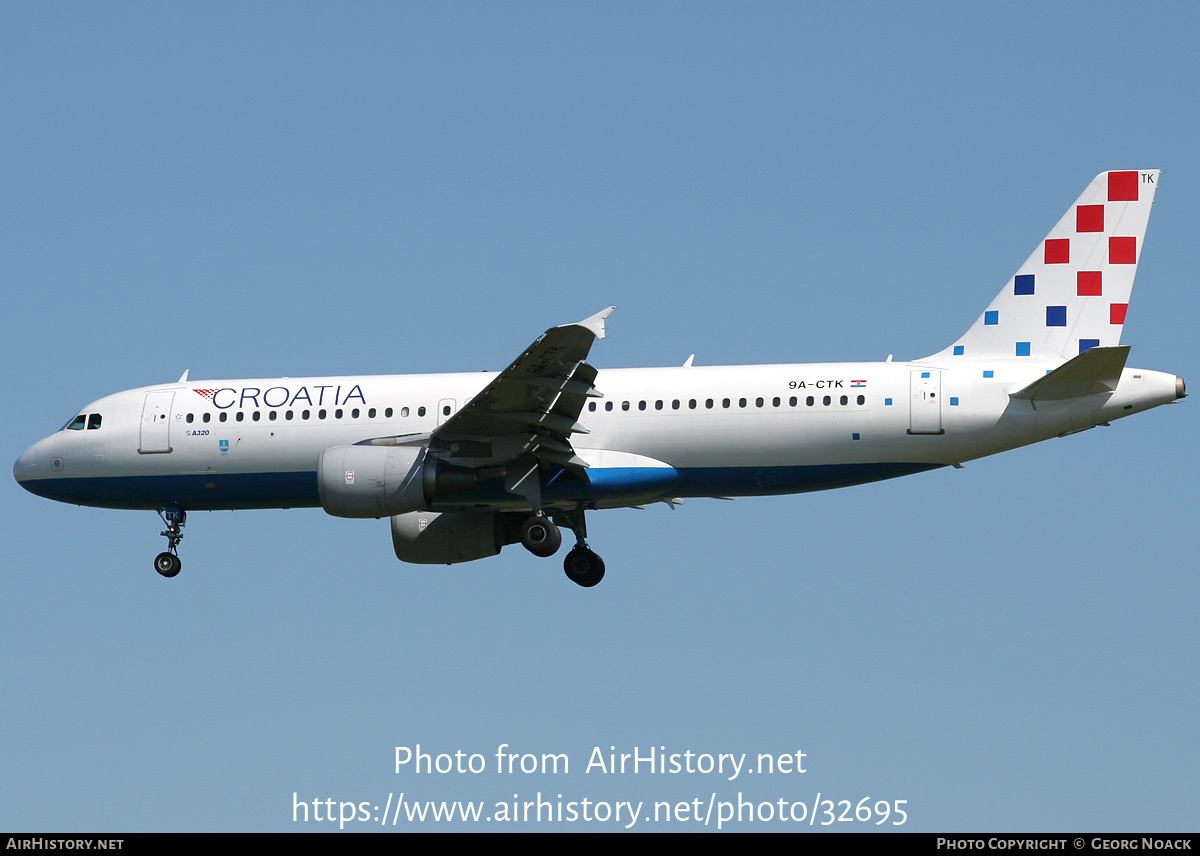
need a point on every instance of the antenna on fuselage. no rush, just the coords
(183, 377)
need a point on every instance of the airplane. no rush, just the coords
(465, 464)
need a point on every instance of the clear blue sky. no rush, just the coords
(299, 189)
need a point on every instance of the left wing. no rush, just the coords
(523, 420)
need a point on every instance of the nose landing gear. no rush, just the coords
(167, 563)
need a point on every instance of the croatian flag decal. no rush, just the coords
(854, 383)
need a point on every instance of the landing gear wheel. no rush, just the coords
(583, 567)
(167, 564)
(540, 536)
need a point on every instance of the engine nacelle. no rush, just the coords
(381, 481)
(433, 538)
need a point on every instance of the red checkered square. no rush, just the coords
(1058, 251)
(1122, 251)
(1116, 313)
(1088, 283)
(1089, 218)
(1123, 186)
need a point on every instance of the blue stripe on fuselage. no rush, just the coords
(201, 492)
(212, 492)
(772, 481)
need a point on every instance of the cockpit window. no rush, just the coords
(76, 424)
(93, 421)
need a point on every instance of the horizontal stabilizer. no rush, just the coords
(1097, 370)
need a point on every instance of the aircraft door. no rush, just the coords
(925, 402)
(445, 410)
(156, 423)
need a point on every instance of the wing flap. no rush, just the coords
(526, 416)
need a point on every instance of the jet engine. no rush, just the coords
(433, 538)
(381, 481)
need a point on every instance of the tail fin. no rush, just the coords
(1072, 293)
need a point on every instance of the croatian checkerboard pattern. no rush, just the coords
(1072, 293)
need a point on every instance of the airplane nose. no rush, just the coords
(26, 466)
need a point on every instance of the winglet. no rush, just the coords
(595, 323)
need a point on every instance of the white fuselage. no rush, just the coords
(668, 432)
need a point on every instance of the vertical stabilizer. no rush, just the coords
(1072, 294)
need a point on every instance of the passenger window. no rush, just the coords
(321, 414)
(207, 417)
(224, 417)
(288, 416)
(708, 404)
(371, 413)
(724, 402)
(758, 402)
(354, 413)
(188, 418)
(844, 400)
(337, 414)
(388, 413)
(741, 402)
(810, 401)
(256, 416)
(592, 406)
(608, 405)
(691, 404)
(624, 405)
(93, 421)
(420, 411)
(826, 401)
(304, 414)
(675, 404)
(862, 399)
(641, 405)
(240, 416)
(272, 415)
(403, 412)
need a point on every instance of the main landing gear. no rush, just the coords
(541, 536)
(167, 563)
(583, 567)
